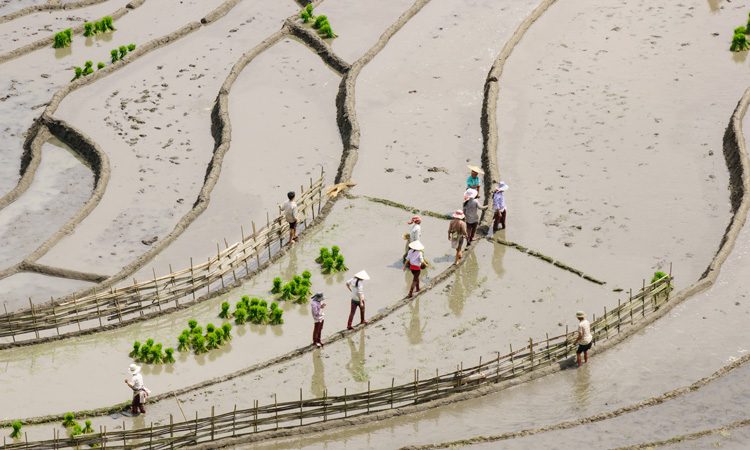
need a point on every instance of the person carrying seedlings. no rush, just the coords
(357, 288)
(316, 307)
(498, 204)
(471, 213)
(415, 262)
(415, 233)
(473, 181)
(140, 391)
(290, 214)
(457, 233)
(584, 339)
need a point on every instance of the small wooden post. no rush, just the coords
(33, 318)
(124, 436)
(212, 422)
(54, 315)
(393, 380)
(549, 357)
(117, 303)
(606, 322)
(346, 412)
(138, 294)
(497, 366)
(300, 406)
(312, 210)
(512, 364)
(244, 249)
(567, 333)
(192, 277)
(218, 261)
(156, 288)
(630, 304)
(276, 410)
(255, 243)
(325, 405)
(171, 432)
(268, 235)
(437, 382)
(195, 431)
(208, 276)
(619, 309)
(10, 326)
(531, 352)
(643, 304)
(234, 274)
(416, 385)
(368, 395)
(78, 321)
(320, 192)
(234, 421)
(151, 436)
(255, 422)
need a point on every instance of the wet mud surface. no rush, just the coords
(16, 290)
(63, 183)
(419, 101)
(30, 28)
(9, 6)
(283, 116)
(596, 155)
(350, 225)
(153, 120)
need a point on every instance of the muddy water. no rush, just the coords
(419, 101)
(351, 225)
(283, 116)
(16, 290)
(9, 6)
(63, 183)
(31, 28)
(596, 155)
(719, 403)
(359, 24)
(153, 120)
(30, 81)
(496, 298)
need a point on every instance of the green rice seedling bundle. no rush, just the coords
(219, 336)
(108, 23)
(156, 356)
(88, 68)
(192, 324)
(123, 51)
(89, 29)
(227, 327)
(136, 348)
(324, 253)
(739, 40)
(327, 31)
(658, 276)
(211, 341)
(307, 13)
(198, 342)
(75, 430)
(169, 355)
(319, 21)
(87, 428)
(115, 55)
(224, 313)
(131, 47)
(16, 433)
(240, 316)
(68, 420)
(78, 73)
(100, 65)
(183, 341)
(63, 38)
(274, 314)
(276, 288)
(210, 328)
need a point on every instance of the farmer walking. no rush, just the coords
(316, 307)
(471, 213)
(473, 181)
(498, 204)
(357, 288)
(290, 214)
(140, 391)
(457, 233)
(415, 262)
(583, 338)
(415, 233)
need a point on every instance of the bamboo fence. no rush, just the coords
(290, 414)
(177, 289)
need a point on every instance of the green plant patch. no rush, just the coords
(331, 261)
(115, 54)
(276, 288)
(63, 38)
(131, 47)
(87, 427)
(658, 276)
(68, 419)
(319, 21)
(16, 433)
(89, 29)
(100, 65)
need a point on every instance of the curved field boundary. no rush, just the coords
(647, 403)
(689, 437)
(47, 42)
(284, 419)
(48, 7)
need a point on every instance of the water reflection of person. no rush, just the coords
(356, 365)
(464, 283)
(318, 380)
(581, 388)
(415, 331)
(497, 259)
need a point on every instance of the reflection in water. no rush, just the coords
(497, 258)
(739, 57)
(63, 52)
(713, 5)
(581, 387)
(415, 330)
(464, 283)
(318, 381)
(356, 365)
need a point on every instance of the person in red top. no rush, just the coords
(414, 261)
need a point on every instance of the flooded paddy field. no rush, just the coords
(610, 135)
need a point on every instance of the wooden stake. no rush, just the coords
(10, 326)
(54, 314)
(33, 318)
(255, 244)
(192, 276)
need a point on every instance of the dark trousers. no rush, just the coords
(317, 330)
(137, 406)
(414, 281)
(471, 228)
(499, 221)
(361, 305)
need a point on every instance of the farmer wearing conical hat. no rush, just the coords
(498, 204)
(414, 234)
(140, 391)
(357, 288)
(473, 182)
(316, 307)
(457, 233)
(584, 338)
(415, 262)
(471, 213)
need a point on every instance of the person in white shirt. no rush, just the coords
(316, 307)
(414, 261)
(584, 338)
(289, 209)
(414, 234)
(140, 392)
(356, 286)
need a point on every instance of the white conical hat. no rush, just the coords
(362, 275)
(416, 245)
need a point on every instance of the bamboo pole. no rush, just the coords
(54, 314)
(234, 421)
(33, 318)
(12, 333)
(346, 412)
(192, 277)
